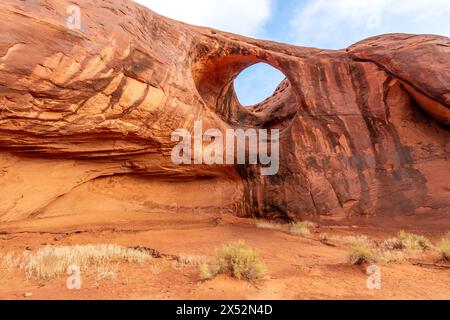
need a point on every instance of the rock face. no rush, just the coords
(86, 117)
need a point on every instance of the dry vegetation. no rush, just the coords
(414, 241)
(406, 245)
(237, 260)
(444, 247)
(271, 226)
(362, 249)
(361, 253)
(50, 262)
(301, 228)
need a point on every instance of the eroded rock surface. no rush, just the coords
(87, 115)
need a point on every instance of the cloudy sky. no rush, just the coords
(328, 24)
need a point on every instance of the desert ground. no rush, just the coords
(298, 267)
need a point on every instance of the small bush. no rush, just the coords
(361, 253)
(444, 248)
(237, 260)
(414, 241)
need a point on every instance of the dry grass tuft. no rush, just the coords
(354, 240)
(394, 244)
(361, 253)
(50, 262)
(391, 256)
(444, 248)
(414, 241)
(206, 273)
(324, 238)
(407, 241)
(395, 250)
(10, 260)
(302, 228)
(270, 226)
(188, 261)
(236, 259)
(107, 272)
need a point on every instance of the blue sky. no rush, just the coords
(327, 24)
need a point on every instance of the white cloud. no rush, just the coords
(245, 17)
(337, 24)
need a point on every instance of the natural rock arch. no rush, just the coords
(214, 74)
(78, 106)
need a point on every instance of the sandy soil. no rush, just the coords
(298, 268)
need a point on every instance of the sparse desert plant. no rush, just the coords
(391, 256)
(444, 248)
(237, 260)
(414, 241)
(301, 228)
(270, 225)
(324, 238)
(394, 244)
(352, 240)
(50, 262)
(206, 273)
(10, 260)
(107, 272)
(189, 260)
(311, 224)
(361, 253)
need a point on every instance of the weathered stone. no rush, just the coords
(87, 115)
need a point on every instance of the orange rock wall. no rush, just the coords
(88, 114)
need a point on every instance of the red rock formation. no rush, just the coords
(87, 116)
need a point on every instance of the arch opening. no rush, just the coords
(257, 83)
(215, 75)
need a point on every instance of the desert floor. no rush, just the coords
(298, 267)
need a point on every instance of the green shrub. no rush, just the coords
(237, 260)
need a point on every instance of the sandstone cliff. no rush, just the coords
(86, 118)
